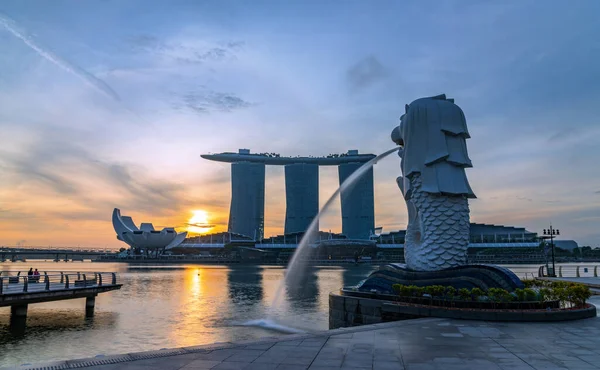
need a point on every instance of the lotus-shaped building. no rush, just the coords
(145, 237)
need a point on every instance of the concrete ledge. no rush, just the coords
(491, 315)
(345, 311)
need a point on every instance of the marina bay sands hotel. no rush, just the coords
(247, 212)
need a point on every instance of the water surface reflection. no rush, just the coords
(169, 306)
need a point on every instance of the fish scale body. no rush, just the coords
(437, 237)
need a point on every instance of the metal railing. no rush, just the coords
(11, 283)
(27, 248)
(571, 271)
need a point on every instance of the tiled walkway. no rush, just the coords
(413, 344)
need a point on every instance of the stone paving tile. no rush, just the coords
(201, 365)
(231, 366)
(261, 366)
(388, 365)
(423, 344)
(291, 367)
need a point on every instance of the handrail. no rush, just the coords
(55, 280)
(572, 270)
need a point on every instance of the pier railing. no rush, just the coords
(591, 270)
(17, 282)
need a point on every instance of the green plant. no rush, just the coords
(464, 294)
(429, 290)
(438, 290)
(520, 293)
(450, 292)
(476, 293)
(396, 288)
(544, 294)
(495, 294)
(419, 291)
(404, 291)
(578, 294)
(530, 294)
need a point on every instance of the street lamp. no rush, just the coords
(549, 234)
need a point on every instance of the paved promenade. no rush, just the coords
(423, 344)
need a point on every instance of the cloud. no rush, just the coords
(211, 101)
(186, 51)
(12, 27)
(597, 192)
(365, 73)
(64, 168)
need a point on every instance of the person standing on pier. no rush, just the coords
(36, 275)
(30, 272)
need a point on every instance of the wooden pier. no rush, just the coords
(18, 290)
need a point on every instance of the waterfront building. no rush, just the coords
(246, 215)
(247, 211)
(145, 237)
(301, 196)
(358, 203)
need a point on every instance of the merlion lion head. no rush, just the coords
(433, 133)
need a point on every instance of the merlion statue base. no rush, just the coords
(467, 276)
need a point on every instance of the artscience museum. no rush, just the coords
(145, 237)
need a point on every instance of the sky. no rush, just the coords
(110, 103)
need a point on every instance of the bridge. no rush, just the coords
(18, 290)
(55, 253)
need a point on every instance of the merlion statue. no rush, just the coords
(432, 135)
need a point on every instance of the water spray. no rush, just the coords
(295, 264)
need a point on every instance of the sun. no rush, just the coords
(198, 223)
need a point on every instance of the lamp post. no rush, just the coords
(549, 234)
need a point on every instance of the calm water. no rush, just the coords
(173, 306)
(169, 306)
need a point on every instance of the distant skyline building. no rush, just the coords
(358, 203)
(301, 196)
(246, 215)
(247, 210)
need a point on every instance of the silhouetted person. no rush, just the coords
(30, 272)
(36, 275)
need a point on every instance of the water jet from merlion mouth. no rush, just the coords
(297, 263)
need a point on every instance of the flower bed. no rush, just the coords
(537, 295)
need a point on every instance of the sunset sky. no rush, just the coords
(109, 104)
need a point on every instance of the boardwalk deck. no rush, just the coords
(20, 290)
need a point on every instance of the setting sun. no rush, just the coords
(198, 223)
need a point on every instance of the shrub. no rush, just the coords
(405, 291)
(578, 294)
(544, 294)
(450, 292)
(438, 290)
(419, 291)
(429, 290)
(464, 294)
(520, 293)
(476, 293)
(529, 283)
(567, 293)
(530, 294)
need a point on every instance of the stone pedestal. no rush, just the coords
(469, 276)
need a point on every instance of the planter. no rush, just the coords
(456, 302)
